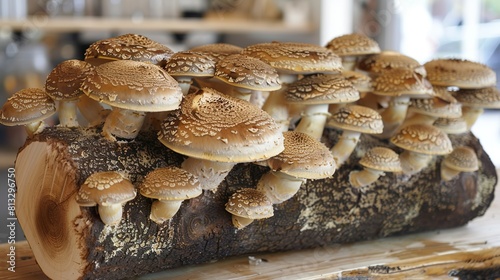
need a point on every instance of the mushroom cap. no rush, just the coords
(435, 107)
(218, 50)
(451, 125)
(213, 126)
(295, 58)
(381, 158)
(170, 183)
(105, 188)
(321, 89)
(461, 73)
(250, 203)
(387, 60)
(462, 159)
(488, 97)
(247, 72)
(133, 85)
(64, 81)
(303, 157)
(362, 82)
(424, 139)
(128, 47)
(353, 44)
(357, 118)
(27, 106)
(190, 63)
(402, 81)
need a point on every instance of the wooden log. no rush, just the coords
(71, 242)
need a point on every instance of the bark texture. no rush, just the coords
(323, 212)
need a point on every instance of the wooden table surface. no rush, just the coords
(474, 247)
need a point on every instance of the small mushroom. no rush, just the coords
(28, 107)
(474, 101)
(451, 125)
(351, 47)
(427, 110)
(169, 186)
(462, 73)
(109, 191)
(461, 159)
(353, 120)
(247, 205)
(217, 50)
(377, 64)
(375, 162)
(420, 142)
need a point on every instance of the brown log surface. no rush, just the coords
(63, 236)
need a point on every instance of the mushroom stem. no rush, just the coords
(123, 123)
(92, 110)
(394, 115)
(278, 186)
(162, 210)
(185, 83)
(362, 178)
(349, 63)
(34, 128)
(110, 214)
(241, 222)
(345, 146)
(276, 104)
(258, 98)
(412, 162)
(471, 114)
(240, 93)
(209, 173)
(67, 113)
(448, 173)
(313, 120)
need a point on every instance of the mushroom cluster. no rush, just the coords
(268, 103)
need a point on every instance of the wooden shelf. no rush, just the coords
(211, 24)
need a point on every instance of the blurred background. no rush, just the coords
(35, 35)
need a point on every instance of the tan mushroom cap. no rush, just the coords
(321, 89)
(128, 47)
(488, 97)
(381, 158)
(250, 203)
(451, 125)
(213, 126)
(387, 60)
(295, 58)
(27, 106)
(357, 118)
(247, 72)
(190, 63)
(362, 82)
(133, 85)
(424, 139)
(461, 73)
(435, 107)
(303, 157)
(353, 44)
(218, 50)
(402, 81)
(170, 183)
(105, 188)
(462, 159)
(64, 81)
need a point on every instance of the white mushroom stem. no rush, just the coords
(241, 222)
(92, 110)
(276, 104)
(185, 83)
(110, 214)
(123, 123)
(34, 128)
(258, 97)
(362, 178)
(313, 120)
(67, 113)
(240, 93)
(162, 210)
(394, 115)
(412, 162)
(278, 186)
(448, 173)
(471, 114)
(209, 173)
(345, 146)
(349, 62)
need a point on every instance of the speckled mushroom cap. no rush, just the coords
(190, 63)
(387, 60)
(105, 188)
(435, 107)
(128, 47)
(296, 58)
(27, 106)
(303, 157)
(460, 73)
(247, 72)
(321, 89)
(250, 203)
(424, 139)
(213, 126)
(357, 118)
(64, 81)
(218, 50)
(402, 81)
(170, 183)
(451, 125)
(362, 82)
(488, 97)
(463, 159)
(381, 158)
(353, 44)
(133, 85)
